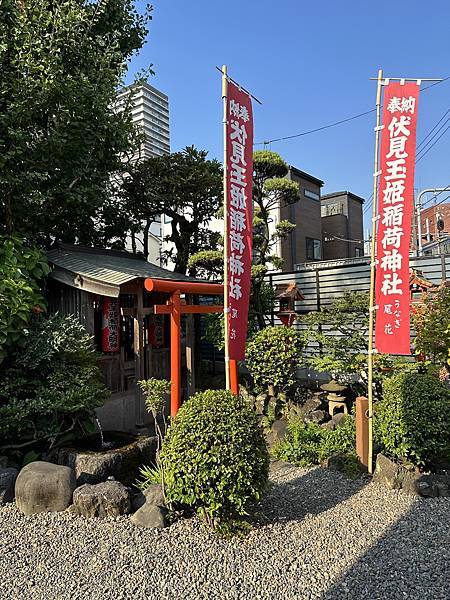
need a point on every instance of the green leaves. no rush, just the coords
(413, 420)
(60, 141)
(273, 357)
(214, 459)
(21, 272)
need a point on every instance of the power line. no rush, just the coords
(446, 189)
(431, 131)
(289, 137)
(362, 114)
(432, 145)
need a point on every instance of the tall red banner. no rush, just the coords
(395, 208)
(239, 165)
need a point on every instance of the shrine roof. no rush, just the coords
(101, 271)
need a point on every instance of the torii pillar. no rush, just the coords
(175, 309)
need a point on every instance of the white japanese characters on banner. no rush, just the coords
(395, 207)
(239, 144)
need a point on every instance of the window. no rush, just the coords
(334, 208)
(312, 195)
(313, 249)
(358, 252)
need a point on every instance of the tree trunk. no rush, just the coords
(145, 239)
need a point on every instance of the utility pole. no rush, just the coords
(419, 214)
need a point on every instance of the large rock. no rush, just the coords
(277, 432)
(152, 495)
(316, 416)
(150, 515)
(122, 462)
(388, 473)
(44, 487)
(107, 499)
(312, 404)
(8, 478)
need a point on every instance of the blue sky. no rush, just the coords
(309, 63)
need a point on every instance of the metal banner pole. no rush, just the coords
(225, 227)
(372, 307)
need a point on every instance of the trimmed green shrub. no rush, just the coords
(52, 386)
(273, 357)
(412, 422)
(215, 459)
(308, 444)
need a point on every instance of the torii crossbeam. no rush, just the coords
(175, 309)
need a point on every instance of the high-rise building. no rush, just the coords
(150, 112)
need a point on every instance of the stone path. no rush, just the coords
(320, 536)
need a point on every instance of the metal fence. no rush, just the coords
(322, 282)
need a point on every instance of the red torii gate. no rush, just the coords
(175, 309)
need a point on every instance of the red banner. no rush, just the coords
(239, 154)
(110, 325)
(395, 208)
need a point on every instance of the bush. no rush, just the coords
(273, 357)
(215, 459)
(51, 388)
(308, 444)
(431, 320)
(21, 270)
(413, 420)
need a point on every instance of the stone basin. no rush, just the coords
(121, 461)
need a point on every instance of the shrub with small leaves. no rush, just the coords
(215, 459)
(273, 357)
(154, 391)
(412, 422)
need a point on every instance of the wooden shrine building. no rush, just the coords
(106, 291)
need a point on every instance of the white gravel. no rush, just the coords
(321, 536)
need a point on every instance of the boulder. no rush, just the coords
(122, 463)
(152, 495)
(330, 425)
(3, 462)
(44, 487)
(8, 478)
(339, 418)
(277, 432)
(106, 499)
(316, 416)
(150, 515)
(309, 406)
(388, 473)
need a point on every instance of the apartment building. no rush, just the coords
(342, 225)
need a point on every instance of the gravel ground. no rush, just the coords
(321, 536)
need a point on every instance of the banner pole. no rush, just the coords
(372, 271)
(225, 228)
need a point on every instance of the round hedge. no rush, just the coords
(273, 357)
(214, 458)
(413, 420)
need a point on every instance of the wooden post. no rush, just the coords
(190, 354)
(138, 323)
(175, 353)
(234, 377)
(362, 430)
(372, 273)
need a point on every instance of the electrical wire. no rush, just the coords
(432, 145)
(290, 137)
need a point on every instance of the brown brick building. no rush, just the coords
(429, 218)
(342, 225)
(305, 242)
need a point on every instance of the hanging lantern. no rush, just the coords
(110, 325)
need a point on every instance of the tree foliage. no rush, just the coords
(432, 323)
(60, 138)
(21, 271)
(186, 187)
